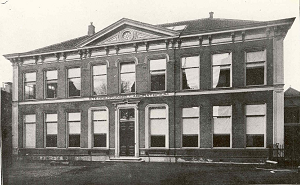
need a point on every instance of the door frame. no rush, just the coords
(117, 128)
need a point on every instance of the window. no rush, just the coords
(74, 82)
(190, 72)
(51, 84)
(221, 65)
(190, 127)
(127, 77)
(29, 85)
(255, 68)
(255, 125)
(221, 126)
(158, 126)
(158, 74)
(30, 131)
(74, 129)
(99, 79)
(291, 115)
(100, 128)
(51, 130)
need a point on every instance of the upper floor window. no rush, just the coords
(30, 85)
(74, 129)
(74, 82)
(127, 77)
(190, 72)
(158, 74)
(99, 79)
(221, 67)
(190, 127)
(51, 84)
(221, 126)
(51, 130)
(255, 68)
(30, 131)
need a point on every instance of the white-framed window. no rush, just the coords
(222, 126)
(99, 79)
(51, 84)
(157, 126)
(51, 130)
(74, 129)
(221, 70)
(190, 127)
(256, 125)
(158, 74)
(30, 86)
(74, 82)
(256, 68)
(190, 72)
(127, 77)
(100, 128)
(30, 131)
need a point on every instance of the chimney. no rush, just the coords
(7, 86)
(211, 15)
(91, 29)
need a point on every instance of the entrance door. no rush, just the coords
(127, 121)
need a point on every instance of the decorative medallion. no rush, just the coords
(127, 35)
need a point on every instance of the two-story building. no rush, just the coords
(209, 88)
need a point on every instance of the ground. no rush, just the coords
(147, 173)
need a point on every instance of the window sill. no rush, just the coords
(196, 147)
(256, 148)
(261, 85)
(221, 147)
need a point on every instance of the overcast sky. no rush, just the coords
(28, 25)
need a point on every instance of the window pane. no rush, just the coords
(190, 126)
(158, 64)
(190, 78)
(74, 127)
(51, 75)
(29, 77)
(255, 125)
(100, 85)
(30, 135)
(255, 76)
(221, 77)
(157, 82)
(74, 87)
(256, 109)
(256, 56)
(51, 128)
(221, 140)
(30, 118)
(74, 116)
(99, 70)
(190, 141)
(51, 90)
(158, 127)
(221, 59)
(190, 112)
(100, 127)
(159, 112)
(74, 140)
(127, 67)
(51, 117)
(127, 82)
(74, 72)
(30, 90)
(222, 125)
(100, 115)
(127, 114)
(221, 110)
(190, 62)
(99, 140)
(255, 141)
(158, 141)
(51, 141)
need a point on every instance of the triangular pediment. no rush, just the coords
(127, 30)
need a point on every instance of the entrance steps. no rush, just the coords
(125, 159)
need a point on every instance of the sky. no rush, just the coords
(28, 25)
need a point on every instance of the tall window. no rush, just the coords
(255, 125)
(51, 130)
(255, 68)
(30, 131)
(158, 126)
(190, 72)
(158, 74)
(99, 79)
(51, 84)
(190, 127)
(74, 129)
(100, 128)
(127, 77)
(221, 65)
(221, 126)
(29, 85)
(74, 82)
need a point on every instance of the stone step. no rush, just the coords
(125, 159)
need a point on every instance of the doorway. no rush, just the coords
(127, 131)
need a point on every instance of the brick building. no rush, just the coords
(209, 88)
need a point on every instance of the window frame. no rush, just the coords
(265, 126)
(46, 83)
(92, 79)
(24, 130)
(212, 68)
(256, 62)
(181, 71)
(150, 76)
(67, 78)
(120, 74)
(198, 134)
(68, 129)
(45, 129)
(24, 82)
(92, 127)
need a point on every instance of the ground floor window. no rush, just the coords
(30, 131)
(100, 127)
(221, 126)
(190, 127)
(51, 130)
(158, 126)
(74, 129)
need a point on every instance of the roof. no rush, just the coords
(197, 26)
(291, 92)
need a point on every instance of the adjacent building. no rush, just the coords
(200, 89)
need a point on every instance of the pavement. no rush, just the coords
(147, 173)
